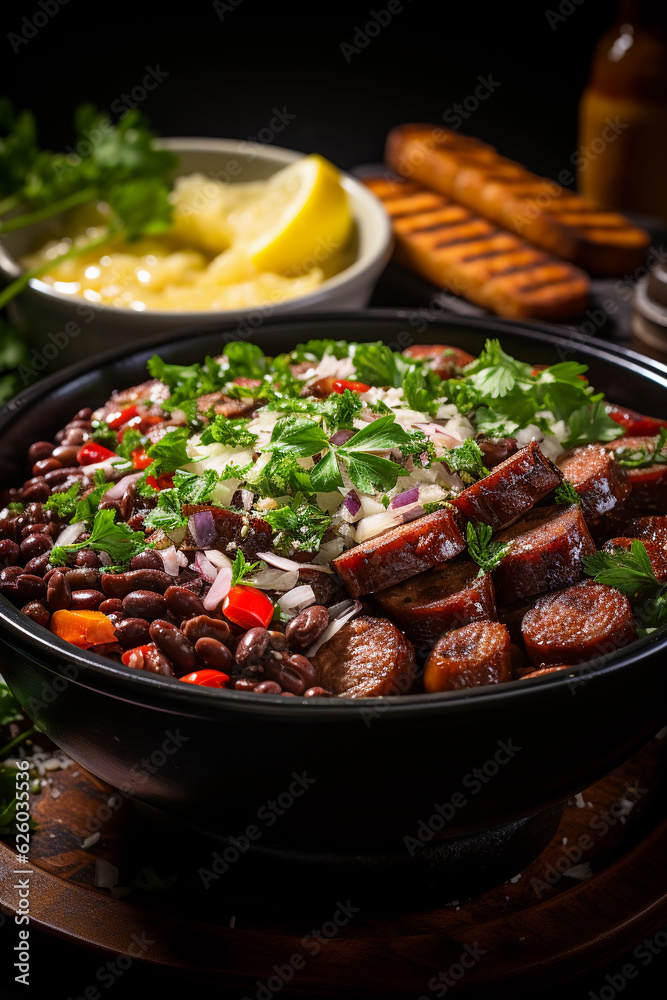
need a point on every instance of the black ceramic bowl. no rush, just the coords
(334, 775)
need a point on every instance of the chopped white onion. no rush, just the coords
(246, 499)
(334, 626)
(70, 533)
(206, 568)
(439, 434)
(170, 560)
(118, 489)
(218, 558)
(181, 558)
(329, 551)
(220, 588)
(274, 579)
(297, 599)
(106, 466)
(105, 558)
(377, 524)
(289, 564)
(106, 874)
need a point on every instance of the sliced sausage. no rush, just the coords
(656, 553)
(233, 531)
(574, 625)
(512, 616)
(474, 655)
(327, 587)
(596, 476)
(439, 600)
(510, 489)
(444, 360)
(649, 484)
(398, 554)
(151, 391)
(496, 450)
(547, 550)
(649, 529)
(365, 658)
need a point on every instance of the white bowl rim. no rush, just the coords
(376, 257)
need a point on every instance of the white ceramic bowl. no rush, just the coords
(62, 328)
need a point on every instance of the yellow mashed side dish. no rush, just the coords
(231, 246)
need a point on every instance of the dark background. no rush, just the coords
(224, 71)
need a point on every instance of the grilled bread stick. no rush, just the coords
(536, 208)
(456, 249)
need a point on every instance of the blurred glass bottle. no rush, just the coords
(622, 156)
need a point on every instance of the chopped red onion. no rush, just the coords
(297, 599)
(432, 429)
(218, 558)
(352, 503)
(410, 496)
(70, 533)
(170, 560)
(221, 587)
(181, 558)
(413, 514)
(206, 568)
(202, 528)
(118, 489)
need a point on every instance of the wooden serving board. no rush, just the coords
(598, 889)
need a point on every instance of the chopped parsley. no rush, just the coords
(631, 572)
(167, 514)
(639, 458)
(299, 525)
(169, 453)
(281, 476)
(64, 503)
(241, 568)
(566, 493)
(87, 505)
(486, 553)
(467, 460)
(117, 540)
(234, 433)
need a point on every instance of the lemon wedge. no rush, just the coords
(302, 218)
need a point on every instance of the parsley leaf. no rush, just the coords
(339, 410)
(468, 460)
(243, 360)
(103, 434)
(566, 493)
(591, 423)
(234, 433)
(241, 568)
(628, 571)
(482, 550)
(117, 540)
(281, 475)
(301, 437)
(65, 503)
(196, 489)
(167, 515)
(170, 452)
(639, 458)
(422, 388)
(299, 525)
(494, 373)
(377, 364)
(10, 710)
(86, 507)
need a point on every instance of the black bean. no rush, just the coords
(147, 560)
(35, 513)
(121, 584)
(133, 632)
(35, 545)
(6, 528)
(45, 465)
(74, 436)
(293, 672)
(173, 643)
(204, 626)
(9, 552)
(86, 557)
(66, 455)
(306, 628)
(157, 663)
(144, 604)
(110, 604)
(30, 529)
(86, 600)
(37, 612)
(58, 594)
(252, 646)
(116, 617)
(246, 684)
(35, 489)
(267, 687)
(317, 692)
(39, 450)
(30, 588)
(39, 565)
(214, 654)
(10, 574)
(183, 603)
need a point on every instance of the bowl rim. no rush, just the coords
(168, 694)
(376, 257)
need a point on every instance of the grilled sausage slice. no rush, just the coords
(471, 656)
(596, 476)
(546, 552)
(656, 553)
(400, 553)
(438, 600)
(367, 657)
(510, 489)
(649, 484)
(649, 529)
(577, 624)
(234, 531)
(444, 360)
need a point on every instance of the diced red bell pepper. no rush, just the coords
(636, 425)
(140, 459)
(117, 420)
(92, 452)
(134, 422)
(163, 482)
(247, 607)
(148, 422)
(83, 628)
(135, 651)
(341, 384)
(207, 678)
